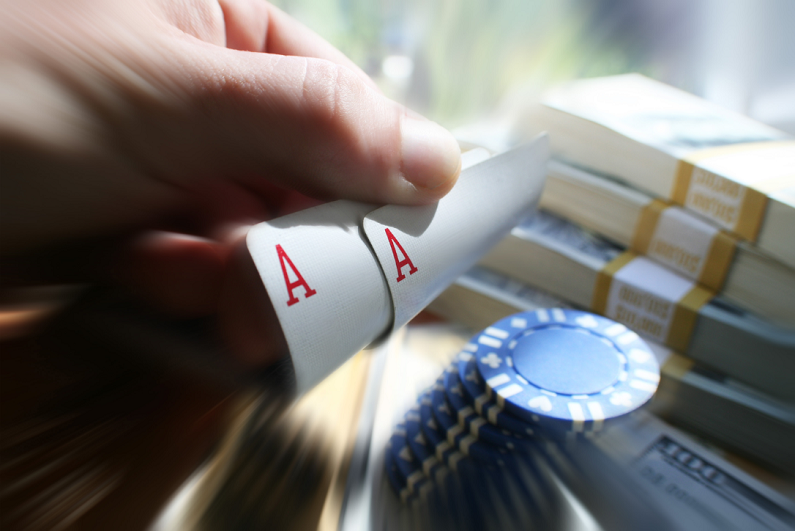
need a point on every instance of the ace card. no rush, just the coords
(423, 249)
(342, 275)
(326, 286)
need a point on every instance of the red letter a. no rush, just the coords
(308, 292)
(400, 263)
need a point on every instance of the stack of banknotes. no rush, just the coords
(672, 216)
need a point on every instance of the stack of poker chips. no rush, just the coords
(479, 437)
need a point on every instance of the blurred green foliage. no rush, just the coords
(468, 54)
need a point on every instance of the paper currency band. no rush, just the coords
(737, 207)
(682, 319)
(676, 366)
(716, 256)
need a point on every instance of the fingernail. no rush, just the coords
(430, 155)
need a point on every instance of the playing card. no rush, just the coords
(326, 281)
(325, 284)
(473, 156)
(423, 249)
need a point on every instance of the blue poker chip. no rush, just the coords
(459, 481)
(476, 425)
(464, 442)
(522, 484)
(445, 452)
(490, 497)
(565, 370)
(393, 476)
(484, 405)
(431, 466)
(409, 468)
(397, 443)
(474, 488)
(535, 485)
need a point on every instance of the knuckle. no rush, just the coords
(329, 91)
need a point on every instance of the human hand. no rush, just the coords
(135, 139)
(191, 116)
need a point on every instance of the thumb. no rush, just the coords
(315, 126)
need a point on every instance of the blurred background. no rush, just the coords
(458, 60)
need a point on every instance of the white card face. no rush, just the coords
(473, 156)
(423, 249)
(325, 284)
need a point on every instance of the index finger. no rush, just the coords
(258, 26)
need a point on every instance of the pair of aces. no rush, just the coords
(345, 274)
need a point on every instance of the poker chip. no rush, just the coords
(445, 452)
(393, 477)
(409, 468)
(482, 402)
(473, 423)
(431, 465)
(522, 477)
(565, 370)
(461, 481)
(463, 441)
(482, 445)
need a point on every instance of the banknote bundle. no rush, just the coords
(672, 216)
(675, 237)
(691, 394)
(681, 183)
(591, 272)
(725, 167)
